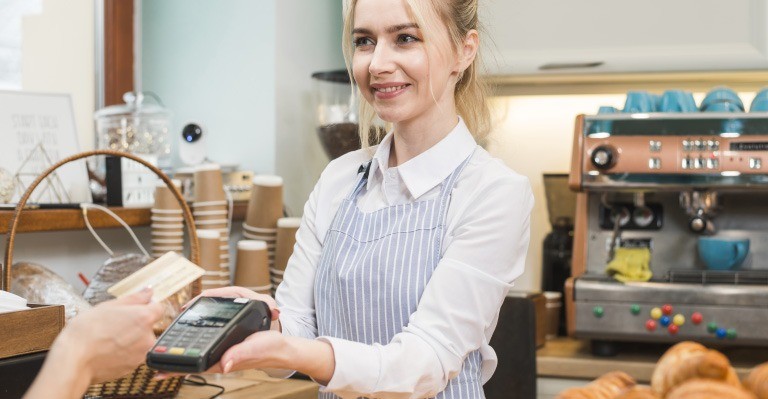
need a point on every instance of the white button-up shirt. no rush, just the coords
(483, 252)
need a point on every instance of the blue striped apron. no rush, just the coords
(373, 270)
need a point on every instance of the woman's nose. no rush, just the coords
(381, 61)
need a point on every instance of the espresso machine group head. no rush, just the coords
(663, 189)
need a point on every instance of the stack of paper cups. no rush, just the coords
(210, 259)
(251, 268)
(210, 208)
(167, 222)
(286, 239)
(265, 207)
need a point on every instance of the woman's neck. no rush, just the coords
(413, 137)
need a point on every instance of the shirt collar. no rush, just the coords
(428, 169)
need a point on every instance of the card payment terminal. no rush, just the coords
(201, 334)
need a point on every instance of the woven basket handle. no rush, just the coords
(14, 223)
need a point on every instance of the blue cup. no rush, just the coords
(677, 101)
(722, 95)
(639, 102)
(760, 102)
(723, 253)
(603, 126)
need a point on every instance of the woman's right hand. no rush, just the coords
(240, 292)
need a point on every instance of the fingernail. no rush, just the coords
(227, 367)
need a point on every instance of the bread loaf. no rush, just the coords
(757, 381)
(699, 388)
(608, 386)
(639, 392)
(689, 360)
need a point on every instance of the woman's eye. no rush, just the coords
(362, 41)
(404, 38)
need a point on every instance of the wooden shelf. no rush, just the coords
(72, 219)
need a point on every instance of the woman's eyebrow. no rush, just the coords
(391, 29)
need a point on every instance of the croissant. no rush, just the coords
(757, 381)
(607, 386)
(699, 388)
(688, 360)
(639, 392)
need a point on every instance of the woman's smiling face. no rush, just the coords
(399, 73)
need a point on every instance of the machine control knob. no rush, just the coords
(664, 321)
(698, 224)
(650, 325)
(635, 309)
(673, 329)
(655, 313)
(711, 327)
(678, 320)
(603, 157)
(697, 318)
(667, 309)
(598, 311)
(731, 333)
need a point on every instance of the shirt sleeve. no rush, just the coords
(295, 295)
(457, 311)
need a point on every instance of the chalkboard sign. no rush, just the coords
(38, 130)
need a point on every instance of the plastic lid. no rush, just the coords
(288, 222)
(207, 167)
(268, 180)
(338, 76)
(135, 103)
(209, 234)
(251, 245)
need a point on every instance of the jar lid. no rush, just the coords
(135, 104)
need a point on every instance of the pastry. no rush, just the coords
(699, 388)
(608, 386)
(757, 381)
(639, 392)
(688, 360)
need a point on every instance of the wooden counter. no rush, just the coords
(72, 219)
(252, 384)
(571, 358)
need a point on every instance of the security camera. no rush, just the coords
(192, 144)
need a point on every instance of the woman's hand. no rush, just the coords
(240, 292)
(264, 349)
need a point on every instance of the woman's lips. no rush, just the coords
(386, 92)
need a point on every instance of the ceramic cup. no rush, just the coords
(639, 102)
(677, 101)
(723, 253)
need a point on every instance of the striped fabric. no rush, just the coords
(374, 268)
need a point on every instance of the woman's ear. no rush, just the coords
(468, 51)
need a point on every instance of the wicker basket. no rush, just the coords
(140, 383)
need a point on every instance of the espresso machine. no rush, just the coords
(670, 187)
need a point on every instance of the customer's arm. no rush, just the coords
(103, 343)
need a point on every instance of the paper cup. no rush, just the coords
(252, 267)
(265, 205)
(286, 239)
(168, 233)
(208, 183)
(166, 212)
(166, 219)
(209, 249)
(168, 226)
(163, 249)
(166, 241)
(211, 222)
(258, 230)
(164, 198)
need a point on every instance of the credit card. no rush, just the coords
(166, 275)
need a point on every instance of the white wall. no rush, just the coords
(308, 40)
(58, 57)
(212, 62)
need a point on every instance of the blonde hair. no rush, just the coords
(459, 16)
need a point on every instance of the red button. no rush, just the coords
(697, 318)
(161, 349)
(673, 329)
(666, 309)
(650, 325)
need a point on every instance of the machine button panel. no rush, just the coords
(654, 163)
(755, 163)
(654, 145)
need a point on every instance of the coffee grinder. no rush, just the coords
(558, 244)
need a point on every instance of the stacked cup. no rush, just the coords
(167, 222)
(210, 208)
(252, 266)
(210, 259)
(265, 207)
(286, 239)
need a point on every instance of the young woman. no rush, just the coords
(406, 250)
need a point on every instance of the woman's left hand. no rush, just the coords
(264, 349)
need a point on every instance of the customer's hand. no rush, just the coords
(240, 292)
(103, 343)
